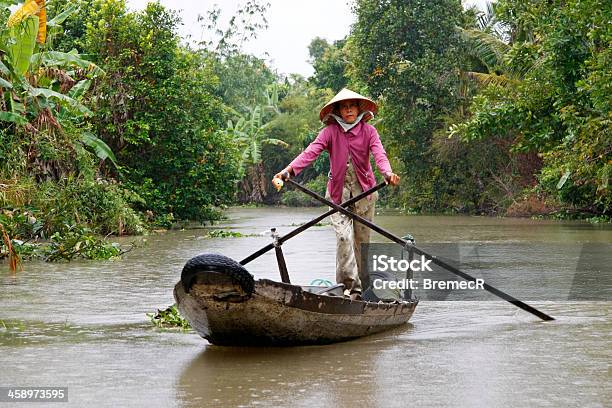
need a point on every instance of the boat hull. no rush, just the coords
(278, 314)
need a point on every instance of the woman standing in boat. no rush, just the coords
(349, 139)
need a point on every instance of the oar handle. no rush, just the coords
(434, 259)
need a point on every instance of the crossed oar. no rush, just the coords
(405, 244)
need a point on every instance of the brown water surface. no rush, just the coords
(82, 325)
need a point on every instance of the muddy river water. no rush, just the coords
(82, 325)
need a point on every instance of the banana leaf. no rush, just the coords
(64, 59)
(80, 88)
(12, 117)
(49, 94)
(3, 68)
(24, 35)
(61, 17)
(563, 179)
(16, 106)
(5, 84)
(5, 40)
(100, 148)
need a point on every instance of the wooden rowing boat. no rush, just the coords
(226, 306)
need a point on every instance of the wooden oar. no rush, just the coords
(434, 259)
(310, 223)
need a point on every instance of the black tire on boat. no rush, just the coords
(217, 263)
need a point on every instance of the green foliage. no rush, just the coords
(169, 318)
(329, 63)
(295, 198)
(407, 54)
(42, 100)
(484, 47)
(51, 206)
(243, 80)
(99, 205)
(66, 59)
(38, 82)
(78, 242)
(297, 124)
(250, 134)
(22, 226)
(187, 179)
(172, 157)
(21, 46)
(560, 107)
(20, 223)
(226, 234)
(100, 148)
(96, 205)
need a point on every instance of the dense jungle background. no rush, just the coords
(111, 124)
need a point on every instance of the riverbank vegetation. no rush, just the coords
(111, 124)
(499, 112)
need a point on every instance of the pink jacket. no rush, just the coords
(358, 142)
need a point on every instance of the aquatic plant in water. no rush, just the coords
(78, 242)
(225, 234)
(169, 318)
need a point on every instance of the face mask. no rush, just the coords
(349, 126)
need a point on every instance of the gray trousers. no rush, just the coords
(351, 234)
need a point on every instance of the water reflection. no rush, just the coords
(331, 375)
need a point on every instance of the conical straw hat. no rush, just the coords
(365, 104)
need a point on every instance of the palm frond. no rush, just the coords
(485, 47)
(486, 79)
(537, 64)
(486, 20)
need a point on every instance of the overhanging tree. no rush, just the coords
(406, 53)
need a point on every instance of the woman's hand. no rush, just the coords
(279, 177)
(392, 178)
(284, 174)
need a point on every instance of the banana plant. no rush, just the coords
(21, 66)
(249, 132)
(35, 81)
